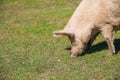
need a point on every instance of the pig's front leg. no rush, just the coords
(108, 34)
(93, 37)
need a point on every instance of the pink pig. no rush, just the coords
(89, 19)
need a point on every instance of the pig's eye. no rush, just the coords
(73, 43)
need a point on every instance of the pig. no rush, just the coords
(89, 19)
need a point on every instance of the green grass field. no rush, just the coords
(28, 51)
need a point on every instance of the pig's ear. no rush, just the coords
(60, 33)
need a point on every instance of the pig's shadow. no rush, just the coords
(102, 46)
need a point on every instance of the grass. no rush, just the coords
(29, 52)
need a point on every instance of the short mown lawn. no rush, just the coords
(28, 51)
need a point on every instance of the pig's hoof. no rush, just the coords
(74, 55)
(111, 53)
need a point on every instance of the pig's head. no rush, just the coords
(78, 45)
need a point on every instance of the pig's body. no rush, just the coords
(90, 18)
